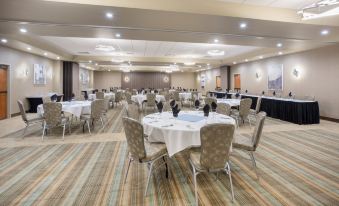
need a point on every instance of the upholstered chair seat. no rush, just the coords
(243, 142)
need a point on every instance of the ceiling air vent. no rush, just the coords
(83, 53)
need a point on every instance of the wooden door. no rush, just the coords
(3, 92)
(237, 82)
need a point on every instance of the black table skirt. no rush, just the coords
(295, 112)
(254, 100)
(33, 103)
(221, 95)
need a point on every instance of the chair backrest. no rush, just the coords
(135, 138)
(97, 107)
(133, 112)
(46, 99)
(258, 129)
(167, 96)
(176, 96)
(257, 107)
(118, 96)
(223, 108)
(245, 106)
(52, 113)
(100, 95)
(216, 141)
(128, 97)
(150, 97)
(194, 96)
(167, 107)
(134, 92)
(22, 111)
(209, 100)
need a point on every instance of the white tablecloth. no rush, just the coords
(75, 107)
(179, 134)
(109, 95)
(231, 102)
(139, 98)
(187, 95)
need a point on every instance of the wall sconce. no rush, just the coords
(296, 72)
(257, 75)
(25, 72)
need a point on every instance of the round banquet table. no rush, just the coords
(139, 98)
(187, 95)
(181, 132)
(75, 107)
(109, 95)
(231, 102)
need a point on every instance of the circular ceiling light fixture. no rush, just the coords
(4, 41)
(279, 45)
(109, 15)
(324, 32)
(104, 48)
(216, 52)
(23, 30)
(243, 25)
(118, 35)
(216, 40)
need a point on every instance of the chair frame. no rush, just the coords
(26, 120)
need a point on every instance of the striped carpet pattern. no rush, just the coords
(296, 168)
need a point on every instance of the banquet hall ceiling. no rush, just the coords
(144, 37)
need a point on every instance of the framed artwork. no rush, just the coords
(202, 80)
(39, 74)
(275, 77)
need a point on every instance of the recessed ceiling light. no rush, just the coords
(199, 66)
(104, 48)
(23, 30)
(117, 60)
(324, 32)
(96, 64)
(216, 40)
(58, 57)
(4, 40)
(261, 57)
(45, 54)
(215, 52)
(234, 62)
(118, 35)
(280, 53)
(90, 61)
(279, 45)
(243, 25)
(174, 63)
(109, 15)
(208, 64)
(29, 48)
(246, 60)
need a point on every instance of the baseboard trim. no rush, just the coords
(15, 114)
(330, 119)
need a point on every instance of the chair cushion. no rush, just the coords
(34, 119)
(242, 142)
(154, 150)
(85, 116)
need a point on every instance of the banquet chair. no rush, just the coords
(250, 144)
(100, 95)
(209, 100)
(97, 108)
(223, 108)
(134, 92)
(133, 111)
(118, 97)
(128, 98)
(257, 107)
(216, 140)
(46, 99)
(143, 152)
(243, 112)
(167, 97)
(53, 118)
(150, 101)
(28, 121)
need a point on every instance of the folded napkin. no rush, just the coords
(237, 95)
(246, 91)
(206, 110)
(172, 103)
(274, 93)
(214, 106)
(160, 106)
(263, 92)
(290, 94)
(175, 110)
(197, 103)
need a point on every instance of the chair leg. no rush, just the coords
(43, 131)
(149, 177)
(89, 128)
(254, 164)
(63, 132)
(102, 122)
(163, 158)
(129, 164)
(23, 135)
(230, 177)
(249, 121)
(69, 128)
(195, 186)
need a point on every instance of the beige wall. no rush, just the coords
(21, 84)
(183, 79)
(210, 79)
(319, 76)
(106, 79)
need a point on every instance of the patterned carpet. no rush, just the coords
(298, 167)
